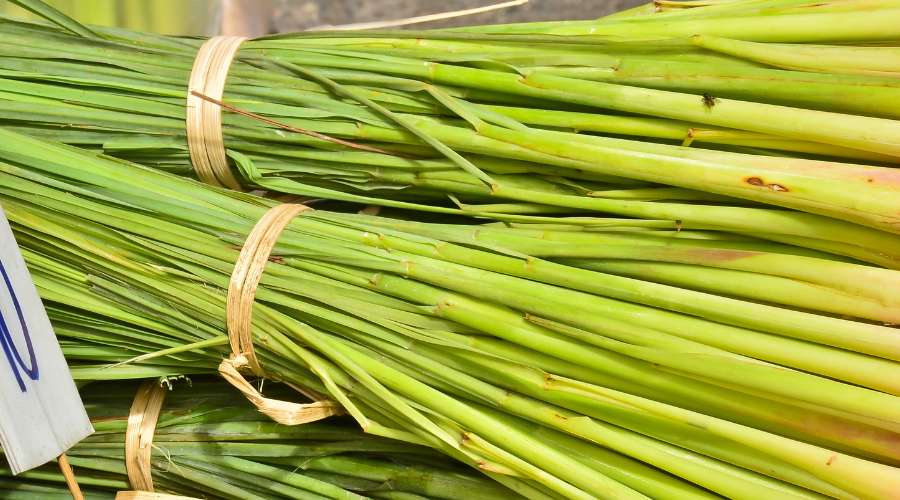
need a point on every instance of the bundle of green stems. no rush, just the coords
(211, 443)
(691, 116)
(509, 348)
(680, 281)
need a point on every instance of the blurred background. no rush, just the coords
(258, 17)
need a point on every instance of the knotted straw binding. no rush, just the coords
(239, 313)
(142, 421)
(204, 119)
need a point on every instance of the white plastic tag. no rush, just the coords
(41, 413)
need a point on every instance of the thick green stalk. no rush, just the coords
(777, 181)
(810, 125)
(801, 26)
(685, 132)
(869, 95)
(758, 287)
(879, 61)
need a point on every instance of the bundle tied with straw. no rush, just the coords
(727, 338)
(184, 440)
(537, 123)
(555, 380)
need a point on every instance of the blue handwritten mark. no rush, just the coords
(9, 347)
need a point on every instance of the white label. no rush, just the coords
(41, 414)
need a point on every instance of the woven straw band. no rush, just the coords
(204, 119)
(239, 313)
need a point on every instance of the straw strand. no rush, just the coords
(69, 474)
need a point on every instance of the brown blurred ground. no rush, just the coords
(294, 15)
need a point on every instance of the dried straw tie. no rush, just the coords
(142, 421)
(204, 118)
(139, 434)
(207, 149)
(239, 312)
